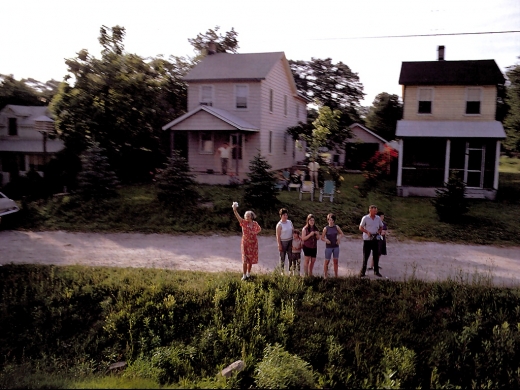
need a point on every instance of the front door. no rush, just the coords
(474, 165)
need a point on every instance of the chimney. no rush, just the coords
(212, 48)
(440, 50)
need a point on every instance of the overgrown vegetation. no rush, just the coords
(450, 202)
(61, 327)
(260, 192)
(137, 209)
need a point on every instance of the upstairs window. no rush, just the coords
(13, 126)
(206, 95)
(241, 92)
(285, 105)
(297, 111)
(425, 100)
(473, 101)
(270, 100)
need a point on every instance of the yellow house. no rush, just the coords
(449, 125)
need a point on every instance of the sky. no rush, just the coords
(39, 35)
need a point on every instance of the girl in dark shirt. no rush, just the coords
(310, 235)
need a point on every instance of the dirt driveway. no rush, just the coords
(214, 253)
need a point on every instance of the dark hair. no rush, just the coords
(331, 216)
(372, 206)
(307, 222)
(380, 213)
(296, 231)
(283, 211)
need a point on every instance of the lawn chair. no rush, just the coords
(328, 190)
(307, 187)
(295, 181)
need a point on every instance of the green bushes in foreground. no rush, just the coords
(62, 327)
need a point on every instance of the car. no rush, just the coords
(7, 206)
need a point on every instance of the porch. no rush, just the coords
(217, 178)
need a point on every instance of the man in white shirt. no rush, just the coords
(224, 152)
(313, 172)
(371, 226)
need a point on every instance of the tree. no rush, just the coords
(451, 202)
(332, 85)
(382, 117)
(260, 193)
(119, 101)
(96, 180)
(512, 120)
(17, 92)
(227, 43)
(176, 186)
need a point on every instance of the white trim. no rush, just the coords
(400, 164)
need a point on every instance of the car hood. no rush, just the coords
(8, 206)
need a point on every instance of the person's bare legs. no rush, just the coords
(306, 261)
(335, 267)
(311, 265)
(244, 267)
(325, 268)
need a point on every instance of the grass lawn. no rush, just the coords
(137, 210)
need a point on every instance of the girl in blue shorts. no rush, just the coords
(331, 235)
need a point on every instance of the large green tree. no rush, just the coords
(512, 120)
(119, 101)
(382, 117)
(26, 92)
(227, 43)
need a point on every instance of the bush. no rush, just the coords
(451, 202)
(176, 184)
(281, 370)
(260, 192)
(96, 180)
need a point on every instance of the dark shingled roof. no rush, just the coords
(476, 72)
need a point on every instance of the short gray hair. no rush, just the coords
(253, 215)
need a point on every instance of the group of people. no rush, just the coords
(291, 242)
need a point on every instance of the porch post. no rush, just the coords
(447, 161)
(400, 163)
(497, 161)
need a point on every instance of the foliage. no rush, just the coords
(96, 180)
(450, 202)
(120, 101)
(383, 115)
(260, 192)
(61, 327)
(281, 370)
(378, 167)
(512, 120)
(176, 184)
(227, 43)
(26, 92)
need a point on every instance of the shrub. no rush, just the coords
(176, 184)
(281, 370)
(96, 180)
(451, 202)
(260, 192)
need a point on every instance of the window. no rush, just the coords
(270, 100)
(285, 142)
(473, 101)
(36, 162)
(206, 95)
(297, 111)
(206, 142)
(270, 141)
(425, 100)
(285, 105)
(13, 127)
(241, 92)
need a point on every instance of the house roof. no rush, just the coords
(226, 66)
(26, 114)
(475, 72)
(450, 129)
(30, 146)
(369, 131)
(223, 115)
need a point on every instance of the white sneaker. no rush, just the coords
(244, 277)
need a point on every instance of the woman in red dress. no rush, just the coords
(249, 246)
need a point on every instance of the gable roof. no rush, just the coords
(368, 131)
(475, 72)
(450, 129)
(223, 115)
(26, 114)
(226, 66)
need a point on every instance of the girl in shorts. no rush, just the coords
(331, 235)
(310, 235)
(296, 252)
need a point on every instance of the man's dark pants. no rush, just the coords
(370, 246)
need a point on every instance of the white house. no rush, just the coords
(24, 141)
(246, 100)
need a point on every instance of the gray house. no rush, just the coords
(24, 142)
(449, 125)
